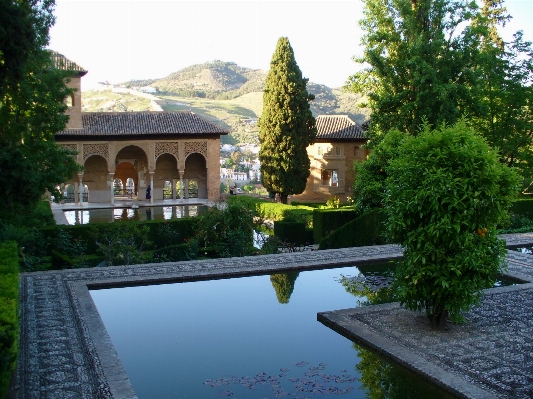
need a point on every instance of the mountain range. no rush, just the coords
(228, 94)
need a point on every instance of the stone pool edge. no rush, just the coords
(362, 326)
(64, 348)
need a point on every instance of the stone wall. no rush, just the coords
(338, 156)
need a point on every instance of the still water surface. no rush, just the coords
(108, 215)
(249, 337)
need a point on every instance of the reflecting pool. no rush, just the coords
(107, 215)
(248, 337)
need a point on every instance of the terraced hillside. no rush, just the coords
(228, 95)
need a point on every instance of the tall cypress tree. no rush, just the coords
(286, 126)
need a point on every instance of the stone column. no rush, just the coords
(152, 187)
(173, 188)
(81, 188)
(112, 184)
(182, 172)
(76, 194)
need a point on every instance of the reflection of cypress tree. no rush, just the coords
(284, 285)
(383, 379)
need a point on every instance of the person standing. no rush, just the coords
(148, 193)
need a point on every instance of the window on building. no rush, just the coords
(337, 151)
(330, 178)
(358, 152)
(319, 150)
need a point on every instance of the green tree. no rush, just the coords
(446, 193)
(32, 94)
(229, 163)
(286, 126)
(369, 185)
(502, 106)
(418, 62)
(236, 156)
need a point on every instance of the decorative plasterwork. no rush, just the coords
(166, 148)
(96, 149)
(70, 147)
(196, 146)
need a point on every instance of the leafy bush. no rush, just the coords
(369, 185)
(446, 193)
(179, 252)
(516, 224)
(367, 229)
(226, 232)
(121, 243)
(8, 312)
(333, 202)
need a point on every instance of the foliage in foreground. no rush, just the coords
(226, 232)
(369, 186)
(8, 312)
(446, 194)
(122, 243)
(32, 94)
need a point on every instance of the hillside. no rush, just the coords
(112, 101)
(232, 97)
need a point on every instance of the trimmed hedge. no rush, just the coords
(84, 232)
(274, 210)
(315, 205)
(293, 232)
(366, 230)
(523, 207)
(9, 285)
(326, 221)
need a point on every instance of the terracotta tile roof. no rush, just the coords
(338, 127)
(63, 63)
(142, 124)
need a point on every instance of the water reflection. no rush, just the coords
(382, 379)
(108, 215)
(372, 285)
(231, 337)
(284, 285)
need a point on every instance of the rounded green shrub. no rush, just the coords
(446, 193)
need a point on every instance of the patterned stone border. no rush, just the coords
(65, 351)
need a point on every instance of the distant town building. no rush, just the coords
(228, 148)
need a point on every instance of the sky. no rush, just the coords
(120, 40)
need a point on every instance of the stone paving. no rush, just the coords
(65, 351)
